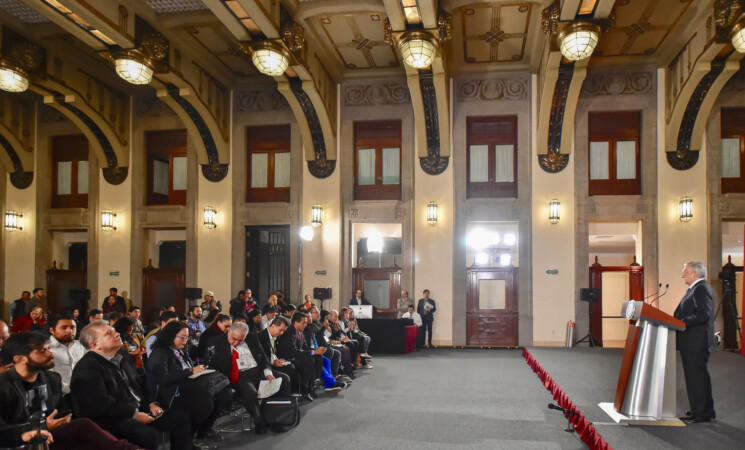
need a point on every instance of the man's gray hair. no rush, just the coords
(88, 334)
(698, 267)
(240, 327)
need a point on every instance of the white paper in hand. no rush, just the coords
(204, 372)
(268, 388)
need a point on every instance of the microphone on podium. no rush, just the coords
(659, 288)
(660, 296)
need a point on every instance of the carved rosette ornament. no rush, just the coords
(293, 35)
(726, 13)
(550, 19)
(387, 31)
(553, 161)
(444, 26)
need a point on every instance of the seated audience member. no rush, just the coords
(311, 336)
(338, 332)
(194, 322)
(268, 340)
(413, 315)
(272, 302)
(240, 318)
(289, 310)
(33, 321)
(281, 301)
(251, 302)
(358, 334)
(171, 308)
(239, 356)
(4, 335)
(113, 317)
(210, 307)
(165, 318)
(93, 315)
(253, 320)
(138, 332)
(307, 303)
(125, 327)
(110, 305)
(238, 304)
(32, 361)
(308, 362)
(103, 392)
(323, 336)
(269, 314)
(66, 350)
(219, 326)
(168, 372)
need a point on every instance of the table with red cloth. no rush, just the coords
(389, 335)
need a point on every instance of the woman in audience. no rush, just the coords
(109, 306)
(125, 327)
(253, 321)
(168, 372)
(34, 321)
(272, 302)
(218, 327)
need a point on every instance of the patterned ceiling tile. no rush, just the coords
(169, 6)
(640, 27)
(22, 11)
(358, 39)
(495, 32)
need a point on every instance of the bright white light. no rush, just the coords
(478, 239)
(12, 80)
(306, 233)
(133, 71)
(579, 41)
(374, 243)
(505, 259)
(482, 259)
(270, 61)
(738, 38)
(418, 50)
(510, 239)
(493, 239)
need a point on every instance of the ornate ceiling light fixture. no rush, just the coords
(20, 61)
(418, 49)
(270, 58)
(738, 36)
(133, 67)
(150, 55)
(12, 79)
(578, 40)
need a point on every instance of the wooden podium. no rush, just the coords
(646, 382)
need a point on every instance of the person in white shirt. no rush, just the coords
(413, 315)
(268, 316)
(66, 350)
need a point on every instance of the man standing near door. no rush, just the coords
(426, 308)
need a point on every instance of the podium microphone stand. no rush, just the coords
(589, 295)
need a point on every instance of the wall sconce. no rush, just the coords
(107, 220)
(13, 221)
(316, 215)
(210, 217)
(686, 209)
(554, 211)
(432, 213)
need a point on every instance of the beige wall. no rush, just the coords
(214, 246)
(115, 247)
(20, 246)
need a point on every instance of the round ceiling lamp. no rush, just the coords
(738, 35)
(12, 79)
(578, 40)
(270, 59)
(418, 49)
(133, 68)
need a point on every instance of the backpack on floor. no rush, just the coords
(281, 413)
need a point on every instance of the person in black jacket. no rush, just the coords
(217, 328)
(26, 380)
(308, 362)
(239, 356)
(695, 343)
(426, 308)
(104, 393)
(268, 338)
(168, 372)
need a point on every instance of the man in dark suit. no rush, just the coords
(695, 343)
(120, 302)
(308, 362)
(426, 309)
(268, 339)
(104, 393)
(239, 356)
(359, 299)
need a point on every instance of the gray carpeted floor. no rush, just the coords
(433, 399)
(589, 376)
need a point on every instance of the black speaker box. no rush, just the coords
(192, 293)
(321, 293)
(589, 294)
(80, 294)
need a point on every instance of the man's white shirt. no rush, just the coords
(65, 358)
(413, 316)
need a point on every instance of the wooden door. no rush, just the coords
(162, 288)
(381, 287)
(636, 289)
(268, 261)
(491, 317)
(66, 290)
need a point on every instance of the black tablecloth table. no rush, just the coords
(386, 335)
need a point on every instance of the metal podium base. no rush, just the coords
(639, 420)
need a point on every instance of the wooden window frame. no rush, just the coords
(269, 139)
(733, 127)
(377, 135)
(611, 127)
(164, 146)
(503, 132)
(73, 148)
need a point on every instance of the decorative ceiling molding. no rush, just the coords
(553, 161)
(493, 32)
(434, 163)
(394, 93)
(260, 101)
(514, 88)
(151, 107)
(614, 82)
(359, 39)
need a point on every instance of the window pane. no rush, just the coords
(731, 158)
(366, 166)
(82, 177)
(282, 169)
(64, 178)
(391, 170)
(599, 160)
(179, 173)
(259, 169)
(479, 163)
(505, 162)
(492, 294)
(625, 160)
(160, 177)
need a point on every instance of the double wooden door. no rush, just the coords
(492, 315)
(67, 290)
(162, 288)
(381, 287)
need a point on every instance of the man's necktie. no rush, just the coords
(235, 374)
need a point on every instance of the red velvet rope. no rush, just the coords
(584, 428)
